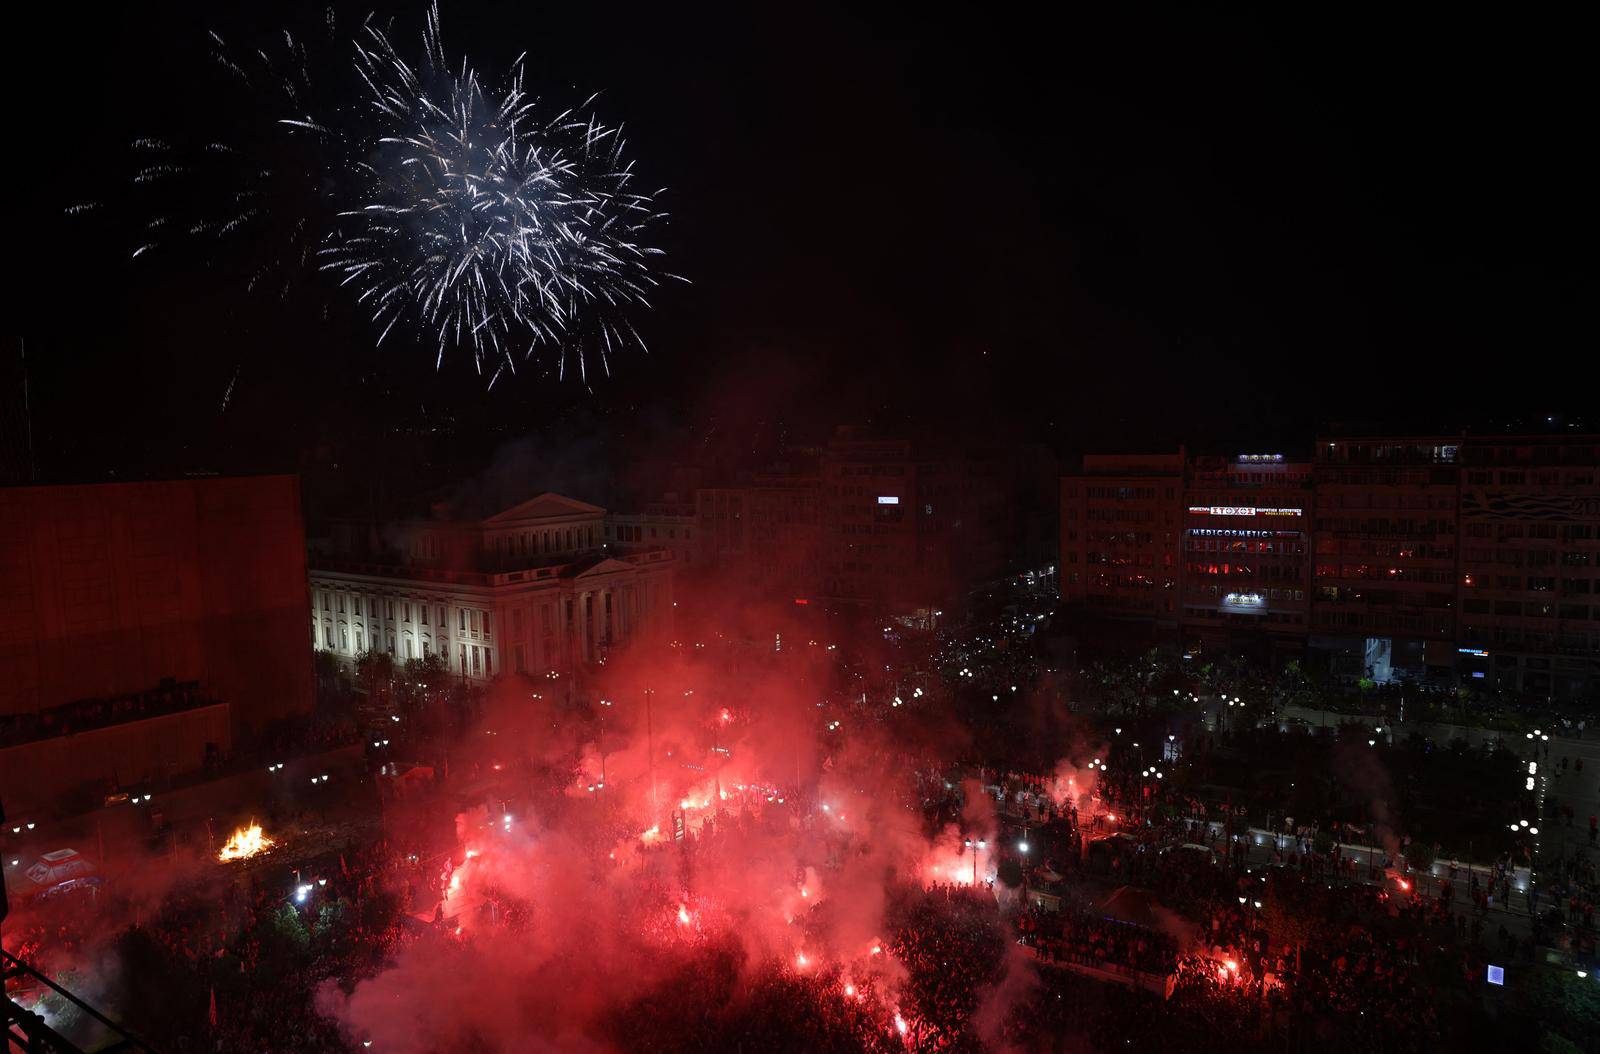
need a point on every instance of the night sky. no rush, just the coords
(1113, 228)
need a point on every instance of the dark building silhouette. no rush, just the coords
(145, 624)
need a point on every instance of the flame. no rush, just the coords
(245, 843)
(696, 799)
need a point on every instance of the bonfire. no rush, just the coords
(245, 843)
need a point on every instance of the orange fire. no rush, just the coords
(245, 843)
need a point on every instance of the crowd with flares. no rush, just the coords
(724, 847)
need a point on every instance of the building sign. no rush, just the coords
(1479, 652)
(1560, 508)
(1243, 601)
(884, 499)
(1235, 532)
(1236, 510)
(1260, 459)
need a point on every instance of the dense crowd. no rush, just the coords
(1291, 945)
(1097, 941)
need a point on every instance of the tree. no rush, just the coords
(422, 683)
(375, 672)
(288, 926)
(1564, 1004)
(1419, 855)
(326, 665)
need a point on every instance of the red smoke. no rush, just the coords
(721, 801)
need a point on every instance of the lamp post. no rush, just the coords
(650, 738)
(975, 846)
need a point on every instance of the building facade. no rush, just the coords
(1247, 549)
(669, 524)
(1386, 552)
(532, 589)
(1120, 520)
(1530, 546)
(868, 522)
(1470, 559)
(784, 530)
(909, 527)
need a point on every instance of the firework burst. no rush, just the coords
(257, 202)
(486, 226)
(460, 214)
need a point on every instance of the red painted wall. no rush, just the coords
(106, 589)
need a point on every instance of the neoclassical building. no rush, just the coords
(534, 588)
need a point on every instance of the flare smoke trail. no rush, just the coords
(720, 821)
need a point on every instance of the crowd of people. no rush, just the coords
(1097, 941)
(227, 965)
(1290, 944)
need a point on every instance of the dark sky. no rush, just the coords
(1111, 227)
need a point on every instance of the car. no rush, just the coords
(50, 871)
(84, 884)
(1192, 850)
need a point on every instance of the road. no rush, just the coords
(1570, 787)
